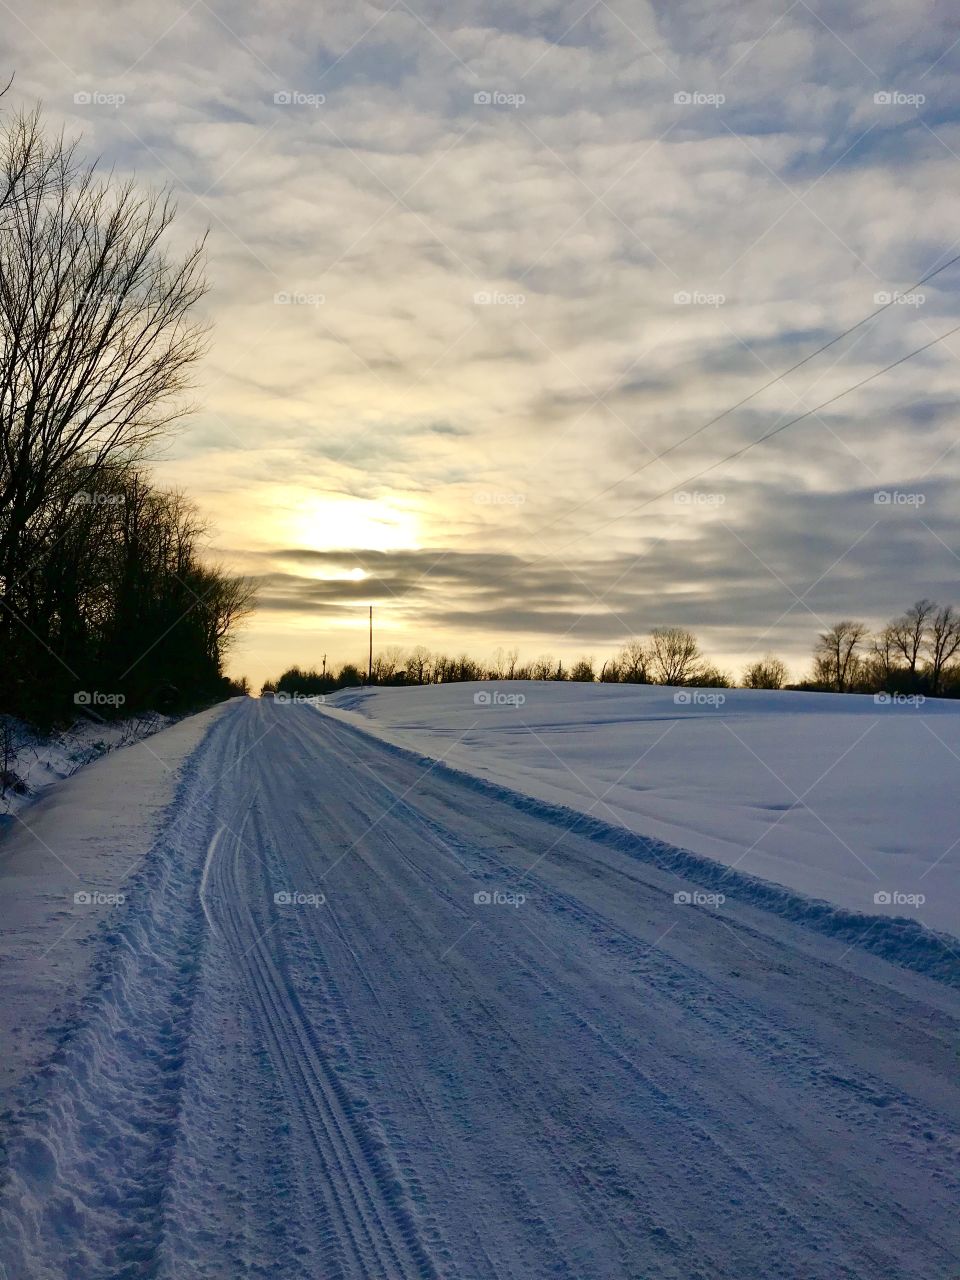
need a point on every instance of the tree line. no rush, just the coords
(915, 653)
(106, 598)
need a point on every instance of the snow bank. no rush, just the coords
(64, 863)
(36, 761)
(839, 798)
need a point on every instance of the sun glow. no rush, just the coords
(334, 573)
(347, 524)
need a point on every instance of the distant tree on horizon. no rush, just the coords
(674, 656)
(836, 660)
(583, 671)
(768, 672)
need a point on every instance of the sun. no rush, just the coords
(348, 524)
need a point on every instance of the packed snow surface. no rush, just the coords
(291, 1002)
(838, 797)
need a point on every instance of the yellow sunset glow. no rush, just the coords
(341, 524)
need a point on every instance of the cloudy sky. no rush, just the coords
(476, 266)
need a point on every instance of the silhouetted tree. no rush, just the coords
(767, 673)
(835, 658)
(96, 335)
(631, 663)
(674, 656)
(418, 665)
(943, 642)
(908, 633)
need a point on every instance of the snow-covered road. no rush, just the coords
(358, 1018)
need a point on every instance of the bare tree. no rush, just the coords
(542, 668)
(583, 671)
(836, 657)
(631, 663)
(908, 633)
(387, 664)
(767, 673)
(674, 656)
(96, 330)
(884, 648)
(498, 666)
(418, 665)
(942, 644)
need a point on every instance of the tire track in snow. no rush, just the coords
(376, 1234)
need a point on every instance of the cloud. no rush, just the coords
(645, 263)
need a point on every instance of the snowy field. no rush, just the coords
(282, 1000)
(841, 798)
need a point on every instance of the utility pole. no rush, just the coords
(370, 659)
(324, 666)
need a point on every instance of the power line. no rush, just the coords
(774, 431)
(752, 396)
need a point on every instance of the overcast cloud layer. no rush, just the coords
(475, 268)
